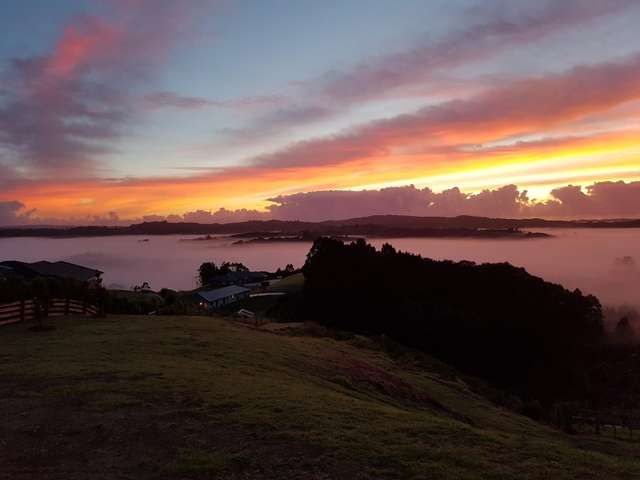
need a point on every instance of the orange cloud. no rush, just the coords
(469, 143)
(540, 166)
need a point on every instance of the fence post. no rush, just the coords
(66, 307)
(22, 310)
(84, 306)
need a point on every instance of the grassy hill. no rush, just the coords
(198, 397)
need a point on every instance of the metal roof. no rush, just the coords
(224, 292)
(64, 270)
(52, 269)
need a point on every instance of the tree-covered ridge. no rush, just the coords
(492, 320)
(381, 226)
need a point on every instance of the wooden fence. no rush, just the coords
(25, 310)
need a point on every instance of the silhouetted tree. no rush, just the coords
(624, 331)
(209, 270)
(142, 287)
(289, 269)
(227, 267)
(206, 272)
(492, 320)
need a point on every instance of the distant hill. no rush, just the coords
(378, 225)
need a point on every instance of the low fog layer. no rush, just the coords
(603, 262)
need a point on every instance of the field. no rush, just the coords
(201, 397)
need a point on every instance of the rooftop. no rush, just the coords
(52, 269)
(224, 292)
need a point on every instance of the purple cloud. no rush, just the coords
(13, 213)
(519, 107)
(418, 71)
(601, 199)
(60, 110)
(158, 100)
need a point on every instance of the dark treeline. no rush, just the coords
(495, 321)
(208, 271)
(379, 225)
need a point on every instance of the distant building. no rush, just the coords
(222, 296)
(12, 268)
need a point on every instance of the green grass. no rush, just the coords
(291, 284)
(202, 397)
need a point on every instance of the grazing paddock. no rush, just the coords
(202, 397)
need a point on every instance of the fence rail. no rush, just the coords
(25, 310)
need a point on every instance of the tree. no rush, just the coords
(492, 320)
(209, 270)
(228, 267)
(289, 269)
(206, 272)
(142, 288)
(624, 331)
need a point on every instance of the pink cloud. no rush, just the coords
(418, 71)
(598, 200)
(408, 200)
(601, 199)
(80, 44)
(520, 107)
(60, 109)
(158, 100)
(503, 26)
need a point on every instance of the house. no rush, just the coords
(12, 268)
(222, 296)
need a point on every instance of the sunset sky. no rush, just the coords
(114, 111)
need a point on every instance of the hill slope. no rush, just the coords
(196, 397)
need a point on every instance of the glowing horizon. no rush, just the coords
(125, 110)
